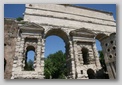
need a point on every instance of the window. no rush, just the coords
(81, 71)
(85, 55)
(29, 58)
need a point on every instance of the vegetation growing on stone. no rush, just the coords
(19, 19)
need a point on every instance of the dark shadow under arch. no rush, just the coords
(91, 73)
(85, 55)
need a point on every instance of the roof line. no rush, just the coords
(70, 5)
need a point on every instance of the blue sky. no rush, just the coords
(54, 43)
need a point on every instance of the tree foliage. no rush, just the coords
(104, 68)
(55, 66)
(102, 60)
(29, 65)
(19, 18)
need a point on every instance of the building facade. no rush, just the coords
(79, 27)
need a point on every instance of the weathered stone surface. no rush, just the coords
(109, 50)
(57, 14)
(10, 34)
(78, 27)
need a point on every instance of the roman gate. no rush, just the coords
(78, 27)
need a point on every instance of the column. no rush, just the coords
(38, 56)
(22, 56)
(42, 56)
(77, 62)
(110, 73)
(96, 56)
(72, 60)
(15, 59)
(18, 58)
(113, 70)
(91, 53)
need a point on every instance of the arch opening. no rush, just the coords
(54, 44)
(29, 58)
(58, 32)
(104, 46)
(99, 46)
(91, 74)
(56, 48)
(59, 35)
(98, 42)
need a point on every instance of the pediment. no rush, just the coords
(30, 26)
(82, 32)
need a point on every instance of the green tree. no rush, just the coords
(19, 18)
(103, 71)
(29, 65)
(55, 66)
(102, 60)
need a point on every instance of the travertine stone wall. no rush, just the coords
(10, 34)
(70, 16)
(84, 39)
(93, 60)
(78, 27)
(29, 37)
(109, 50)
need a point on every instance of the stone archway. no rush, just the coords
(58, 32)
(85, 52)
(75, 28)
(64, 36)
(29, 38)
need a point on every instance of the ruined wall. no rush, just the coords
(40, 21)
(85, 54)
(29, 38)
(10, 34)
(109, 50)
